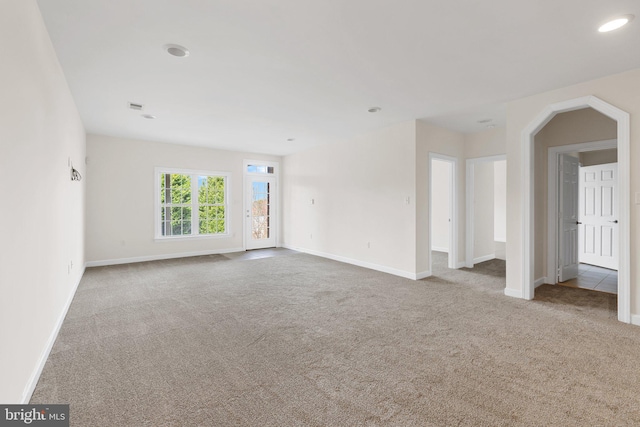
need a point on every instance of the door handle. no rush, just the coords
(578, 223)
(614, 221)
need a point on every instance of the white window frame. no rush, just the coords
(246, 163)
(194, 204)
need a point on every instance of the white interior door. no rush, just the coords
(260, 212)
(568, 218)
(599, 228)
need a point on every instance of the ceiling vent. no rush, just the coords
(135, 106)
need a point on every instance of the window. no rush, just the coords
(191, 203)
(261, 169)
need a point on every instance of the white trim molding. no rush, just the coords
(539, 282)
(513, 293)
(160, 257)
(484, 258)
(624, 185)
(365, 264)
(35, 376)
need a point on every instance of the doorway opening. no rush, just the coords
(531, 241)
(442, 211)
(486, 204)
(260, 204)
(583, 233)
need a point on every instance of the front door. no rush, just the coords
(568, 224)
(599, 229)
(260, 212)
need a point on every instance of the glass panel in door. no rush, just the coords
(260, 215)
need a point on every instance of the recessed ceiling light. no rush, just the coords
(374, 109)
(484, 121)
(148, 116)
(176, 50)
(615, 23)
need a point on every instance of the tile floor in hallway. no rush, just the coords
(595, 278)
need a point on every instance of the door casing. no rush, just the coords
(552, 196)
(567, 218)
(245, 205)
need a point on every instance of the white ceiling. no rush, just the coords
(263, 71)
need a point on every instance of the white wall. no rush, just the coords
(490, 142)
(120, 198)
(360, 188)
(598, 157)
(621, 90)
(43, 212)
(440, 199)
(483, 212)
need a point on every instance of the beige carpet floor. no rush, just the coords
(297, 340)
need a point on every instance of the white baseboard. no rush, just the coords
(35, 376)
(635, 319)
(423, 275)
(514, 293)
(160, 257)
(461, 264)
(484, 258)
(369, 265)
(439, 249)
(540, 281)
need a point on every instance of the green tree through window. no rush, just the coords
(211, 204)
(181, 214)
